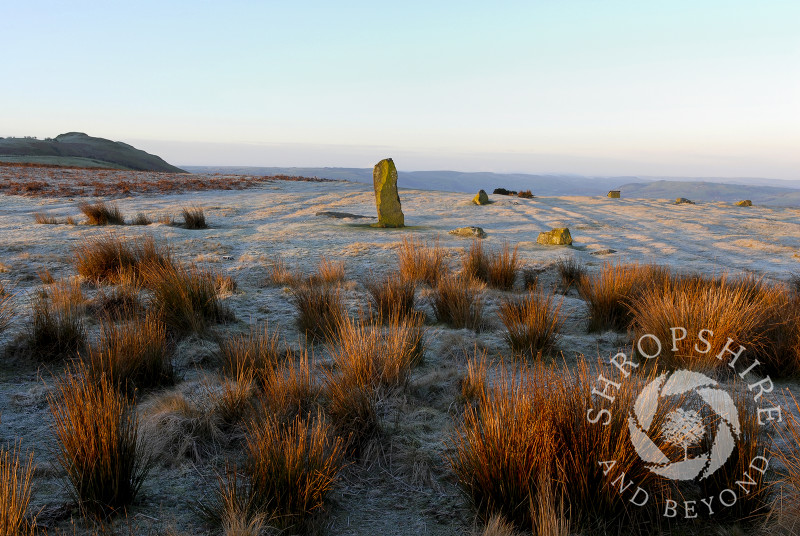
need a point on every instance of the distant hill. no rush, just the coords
(760, 191)
(708, 191)
(78, 149)
(447, 181)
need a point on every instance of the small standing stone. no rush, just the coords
(555, 237)
(387, 200)
(481, 199)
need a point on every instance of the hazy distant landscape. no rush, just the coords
(765, 191)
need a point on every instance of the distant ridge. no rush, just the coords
(709, 189)
(76, 149)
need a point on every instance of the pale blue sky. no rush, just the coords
(594, 87)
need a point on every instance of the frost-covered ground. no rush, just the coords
(252, 227)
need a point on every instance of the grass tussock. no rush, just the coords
(422, 261)
(225, 284)
(475, 382)
(7, 309)
(526, 451)
(134, 354)
(257, 353)
(609, 293)
(289, 473)
(45, 219)
(532, 323)
(56, 329)
(194, 218)
(320, 309)
(115, 259)
(530, 279)
(289, 390)
(789, 455)
(45, 276)
(457, 301)
(141, 219)
(763, 318)
(475, 262)
(525, 194)
(185, 298)
(571, 271)
(118, 303)
(391, 296)
(501, 271)
(99, 447)
(193, 422)
(328, 272)
(369, 359)
(496, 268)
(101, 213)
(279, 274)
(15, 493)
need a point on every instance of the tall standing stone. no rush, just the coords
(387, 200)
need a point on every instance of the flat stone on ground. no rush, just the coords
(469, 232)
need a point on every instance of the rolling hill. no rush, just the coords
(80, 150)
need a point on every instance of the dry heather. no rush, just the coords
(116, 259)
(26, 179)
(457, 301)
(532, 422)
(134, 354)
(319, 309)
(15, 493)
(762, 318)
(194, 218)
(102, 214)
(288, 476)
(99, 446)
(421, 261)
(391, 296)
(532, 323)
(610, 293)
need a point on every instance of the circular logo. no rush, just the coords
(683, 427)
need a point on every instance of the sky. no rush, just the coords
(681, 88)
